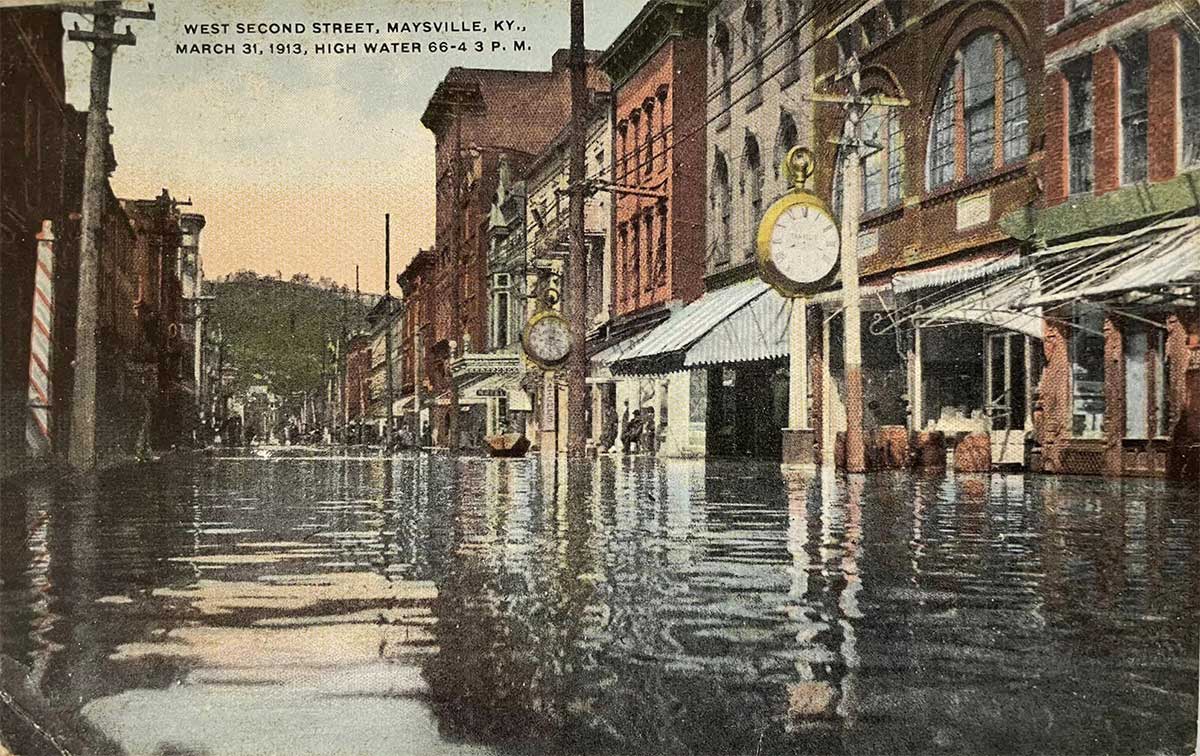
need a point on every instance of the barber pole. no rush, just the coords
(37, 428)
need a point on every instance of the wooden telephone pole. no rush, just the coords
(577, 426)
(852, 146)
(387, 321)
(105, 41)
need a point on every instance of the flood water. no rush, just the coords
(290, 602)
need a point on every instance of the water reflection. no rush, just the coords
(428, 604)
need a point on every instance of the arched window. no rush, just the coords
(648, 106)
(980, 116)
(721, 200)
(752, 177)
(754, 45)
(785, 139)
(635, 148)
(723, 63)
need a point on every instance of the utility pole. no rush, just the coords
(851, 143)
(387, 322)
(361, 400)
(577, 427)
(82, 449)
(456, 280)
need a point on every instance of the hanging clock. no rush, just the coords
(547, 338)
(798, 239)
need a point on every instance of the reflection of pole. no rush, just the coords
(852, 314)
(82, 451)
(577, 431)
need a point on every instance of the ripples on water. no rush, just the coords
(428, 604)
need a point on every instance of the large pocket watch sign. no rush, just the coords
(798, 239)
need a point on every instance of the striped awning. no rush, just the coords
(999, 303)
(758, 331)
(1156, 258)
(954, 273)
(725, 325)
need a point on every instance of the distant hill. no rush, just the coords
(277, 332)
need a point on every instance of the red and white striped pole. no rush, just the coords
(37, 427)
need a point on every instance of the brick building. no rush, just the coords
(478, 117)
(944, 172)
(659, 72)
(731, 344)
(1120, 273)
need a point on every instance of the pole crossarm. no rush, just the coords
(114, 38)
(101, 9)
(608, 186)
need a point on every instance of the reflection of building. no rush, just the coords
(659, 73)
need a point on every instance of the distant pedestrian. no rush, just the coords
(631, 438)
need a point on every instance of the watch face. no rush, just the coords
(804, 244)
(549, 339)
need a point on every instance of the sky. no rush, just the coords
(293, 160)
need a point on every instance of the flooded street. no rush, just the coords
(283, 603)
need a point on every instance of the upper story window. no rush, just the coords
(722, 65)
(635, 148)
(721, 199)
(883, 164)
(1080, 119)
(752, 176)
(791, 26)
(623, 147)
(648, 106)
(970, 136)
(1189, 97)
(1135, 72)
(754, 30)
(883, 168)
(786, 138)
(661, 94)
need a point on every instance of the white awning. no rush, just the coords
(757, 331)
(1000, 303)
(954, 273)
(688, 325)
(1160, 257)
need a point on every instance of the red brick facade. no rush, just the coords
(659, 148)
(1092, 33)
(910, 62)
(658, 67)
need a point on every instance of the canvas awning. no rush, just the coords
(1000, 303)
(665, 347)
(1160, 257)
(954, 273)
(758, 331)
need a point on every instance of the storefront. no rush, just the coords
(1119, 396)
(712, 379)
